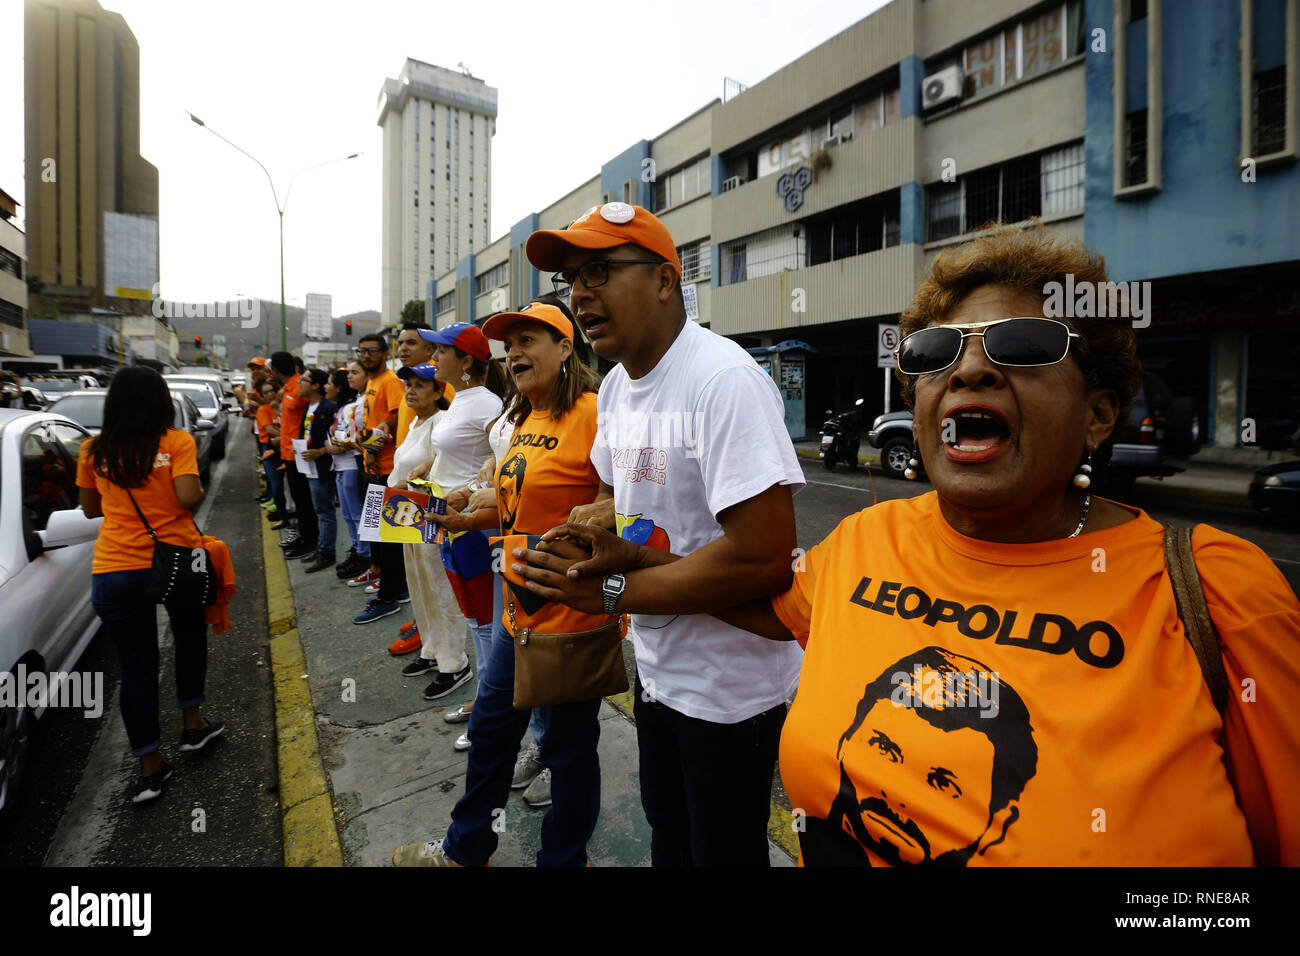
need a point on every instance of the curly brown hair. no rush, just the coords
(1026, 259)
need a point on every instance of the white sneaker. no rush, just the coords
(527, 767)
(462, 742)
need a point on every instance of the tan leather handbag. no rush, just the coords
(563, 668)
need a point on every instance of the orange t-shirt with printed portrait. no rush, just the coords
(123, 543)
(974, 703)
(546, 473)
(385, 396)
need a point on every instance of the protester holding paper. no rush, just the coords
(441, 626)
(316, 428)
(342, 448)
(463, 359)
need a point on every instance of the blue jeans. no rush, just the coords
(327, 523)
(132, 623)
(495, 729)
(274, 478)
(349, 486)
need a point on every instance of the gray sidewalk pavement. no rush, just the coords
(388, 754)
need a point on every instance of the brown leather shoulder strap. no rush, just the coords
(1192, 610)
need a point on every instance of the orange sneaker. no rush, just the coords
(405, 645)
(407, 628)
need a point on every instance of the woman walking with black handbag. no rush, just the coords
(142, 476)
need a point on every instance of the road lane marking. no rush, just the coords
(835, 484)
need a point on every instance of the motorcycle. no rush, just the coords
(841, 437)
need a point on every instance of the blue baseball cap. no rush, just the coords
(424, 370)
(462, 335)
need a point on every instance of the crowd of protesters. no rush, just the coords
(685, 536)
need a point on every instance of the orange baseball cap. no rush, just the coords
(258, 360)
(603, 227)
(497, 326)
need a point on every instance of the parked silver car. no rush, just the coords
(211, 409)
(86, 408)
(46, 551)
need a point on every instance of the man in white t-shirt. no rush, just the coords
(693, 450)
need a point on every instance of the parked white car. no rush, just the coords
(46, 551)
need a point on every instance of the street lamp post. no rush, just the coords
(279, 208)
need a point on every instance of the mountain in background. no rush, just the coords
(241, 343)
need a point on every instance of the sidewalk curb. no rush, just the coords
(814, 454)
(306, 807)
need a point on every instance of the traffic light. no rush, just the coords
(198, 341)
(349, 326)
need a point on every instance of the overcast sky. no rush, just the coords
(296, 83)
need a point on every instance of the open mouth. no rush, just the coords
(519, 369)
(977, 431)
(592, 323)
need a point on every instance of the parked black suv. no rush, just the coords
(1161, 427)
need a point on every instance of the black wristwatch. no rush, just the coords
(612, 588)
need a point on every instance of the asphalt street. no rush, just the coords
(219, 808)
(76, 808)
(830, 496)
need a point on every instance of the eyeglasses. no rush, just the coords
(593, 273)
(1015, 342)
(369, 349)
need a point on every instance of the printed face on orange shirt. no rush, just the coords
(511, 487)
(945, 768)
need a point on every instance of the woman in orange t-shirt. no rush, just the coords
(268, 444)
(997, 672)
(546, 472)
(138, 455)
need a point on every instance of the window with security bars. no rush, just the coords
(853, 230)
(697, 265)
(1268, 111)
(10, 263)
(1044, 184)
(11, 314)
(1135, 148)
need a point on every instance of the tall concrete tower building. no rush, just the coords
(438, 126)
(92, 201)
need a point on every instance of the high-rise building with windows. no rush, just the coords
(91, 199)
(438, 126)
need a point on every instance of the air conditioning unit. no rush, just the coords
(942, 87)
(733, 182)
(835, 140)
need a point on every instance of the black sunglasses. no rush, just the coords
(593, 273)
(1016, 342)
